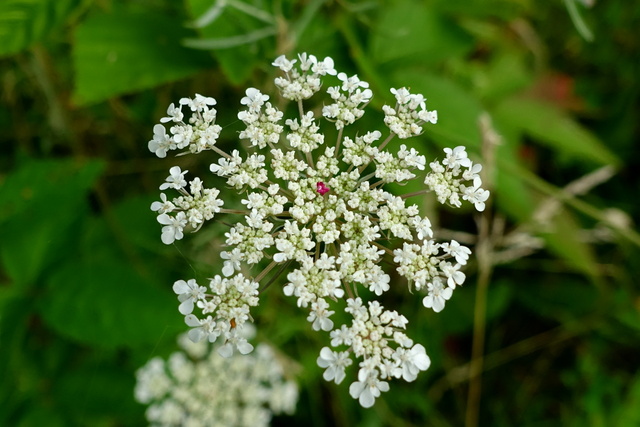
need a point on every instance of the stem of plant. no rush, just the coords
(484, 255)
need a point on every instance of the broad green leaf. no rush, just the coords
(458, 111)
(106, 303)
(122, 52)
(416, 33)
(102, 388)
(506, 10)
(512, 195)
(628, 413)
(139, 222)
(24, 22)
(627, 308)
(41, 414)
(15, 311)
(41, 202)
(551, 126)
(506, 74)
(39, 181)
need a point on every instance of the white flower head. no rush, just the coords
(438, 294)
(310, 210)
(188, 293)
(197, 387)
(367, 390)
(161, 142)
(335, 364)
(254, 99)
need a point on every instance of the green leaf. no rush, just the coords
(505, 10)
(414, 32)
(40, 414)
(628, 413)
(102, 388)
(134, 224)
(24, 22)
(41, 202)
(41, 181)
(106, 303)
(138, 222)
(15, 311)
(513, 197)
(124, 52)
(506, 74)
(627, 309)
(551, 126)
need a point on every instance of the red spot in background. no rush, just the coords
(559, 89)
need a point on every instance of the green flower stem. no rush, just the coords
(265, 271)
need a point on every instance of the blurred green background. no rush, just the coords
(85, 283)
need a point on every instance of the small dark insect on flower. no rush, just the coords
(321, 188)
(233, 323)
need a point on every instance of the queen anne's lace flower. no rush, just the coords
(446, 179)
(195, 387)
(199, 133)
(350, 100)
(317, 211)
(409, 114)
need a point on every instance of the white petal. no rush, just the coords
(168, 237)
(366, 398)
(427, 301)
(355, 389)
(186, 307)
(196, 334)
(226, 351)
(438, 304)
(164, 219)
(244, 347)
(228, 269)
(191, 320)
(181, 287)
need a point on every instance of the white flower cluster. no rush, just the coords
(189, 208)
(302, 84)
(350, 100)
(371, 336)
(196, 387)
(320, 212)
(446, 178)
(201, 133)
(262, 126)
(410, 113)
(229, 301)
